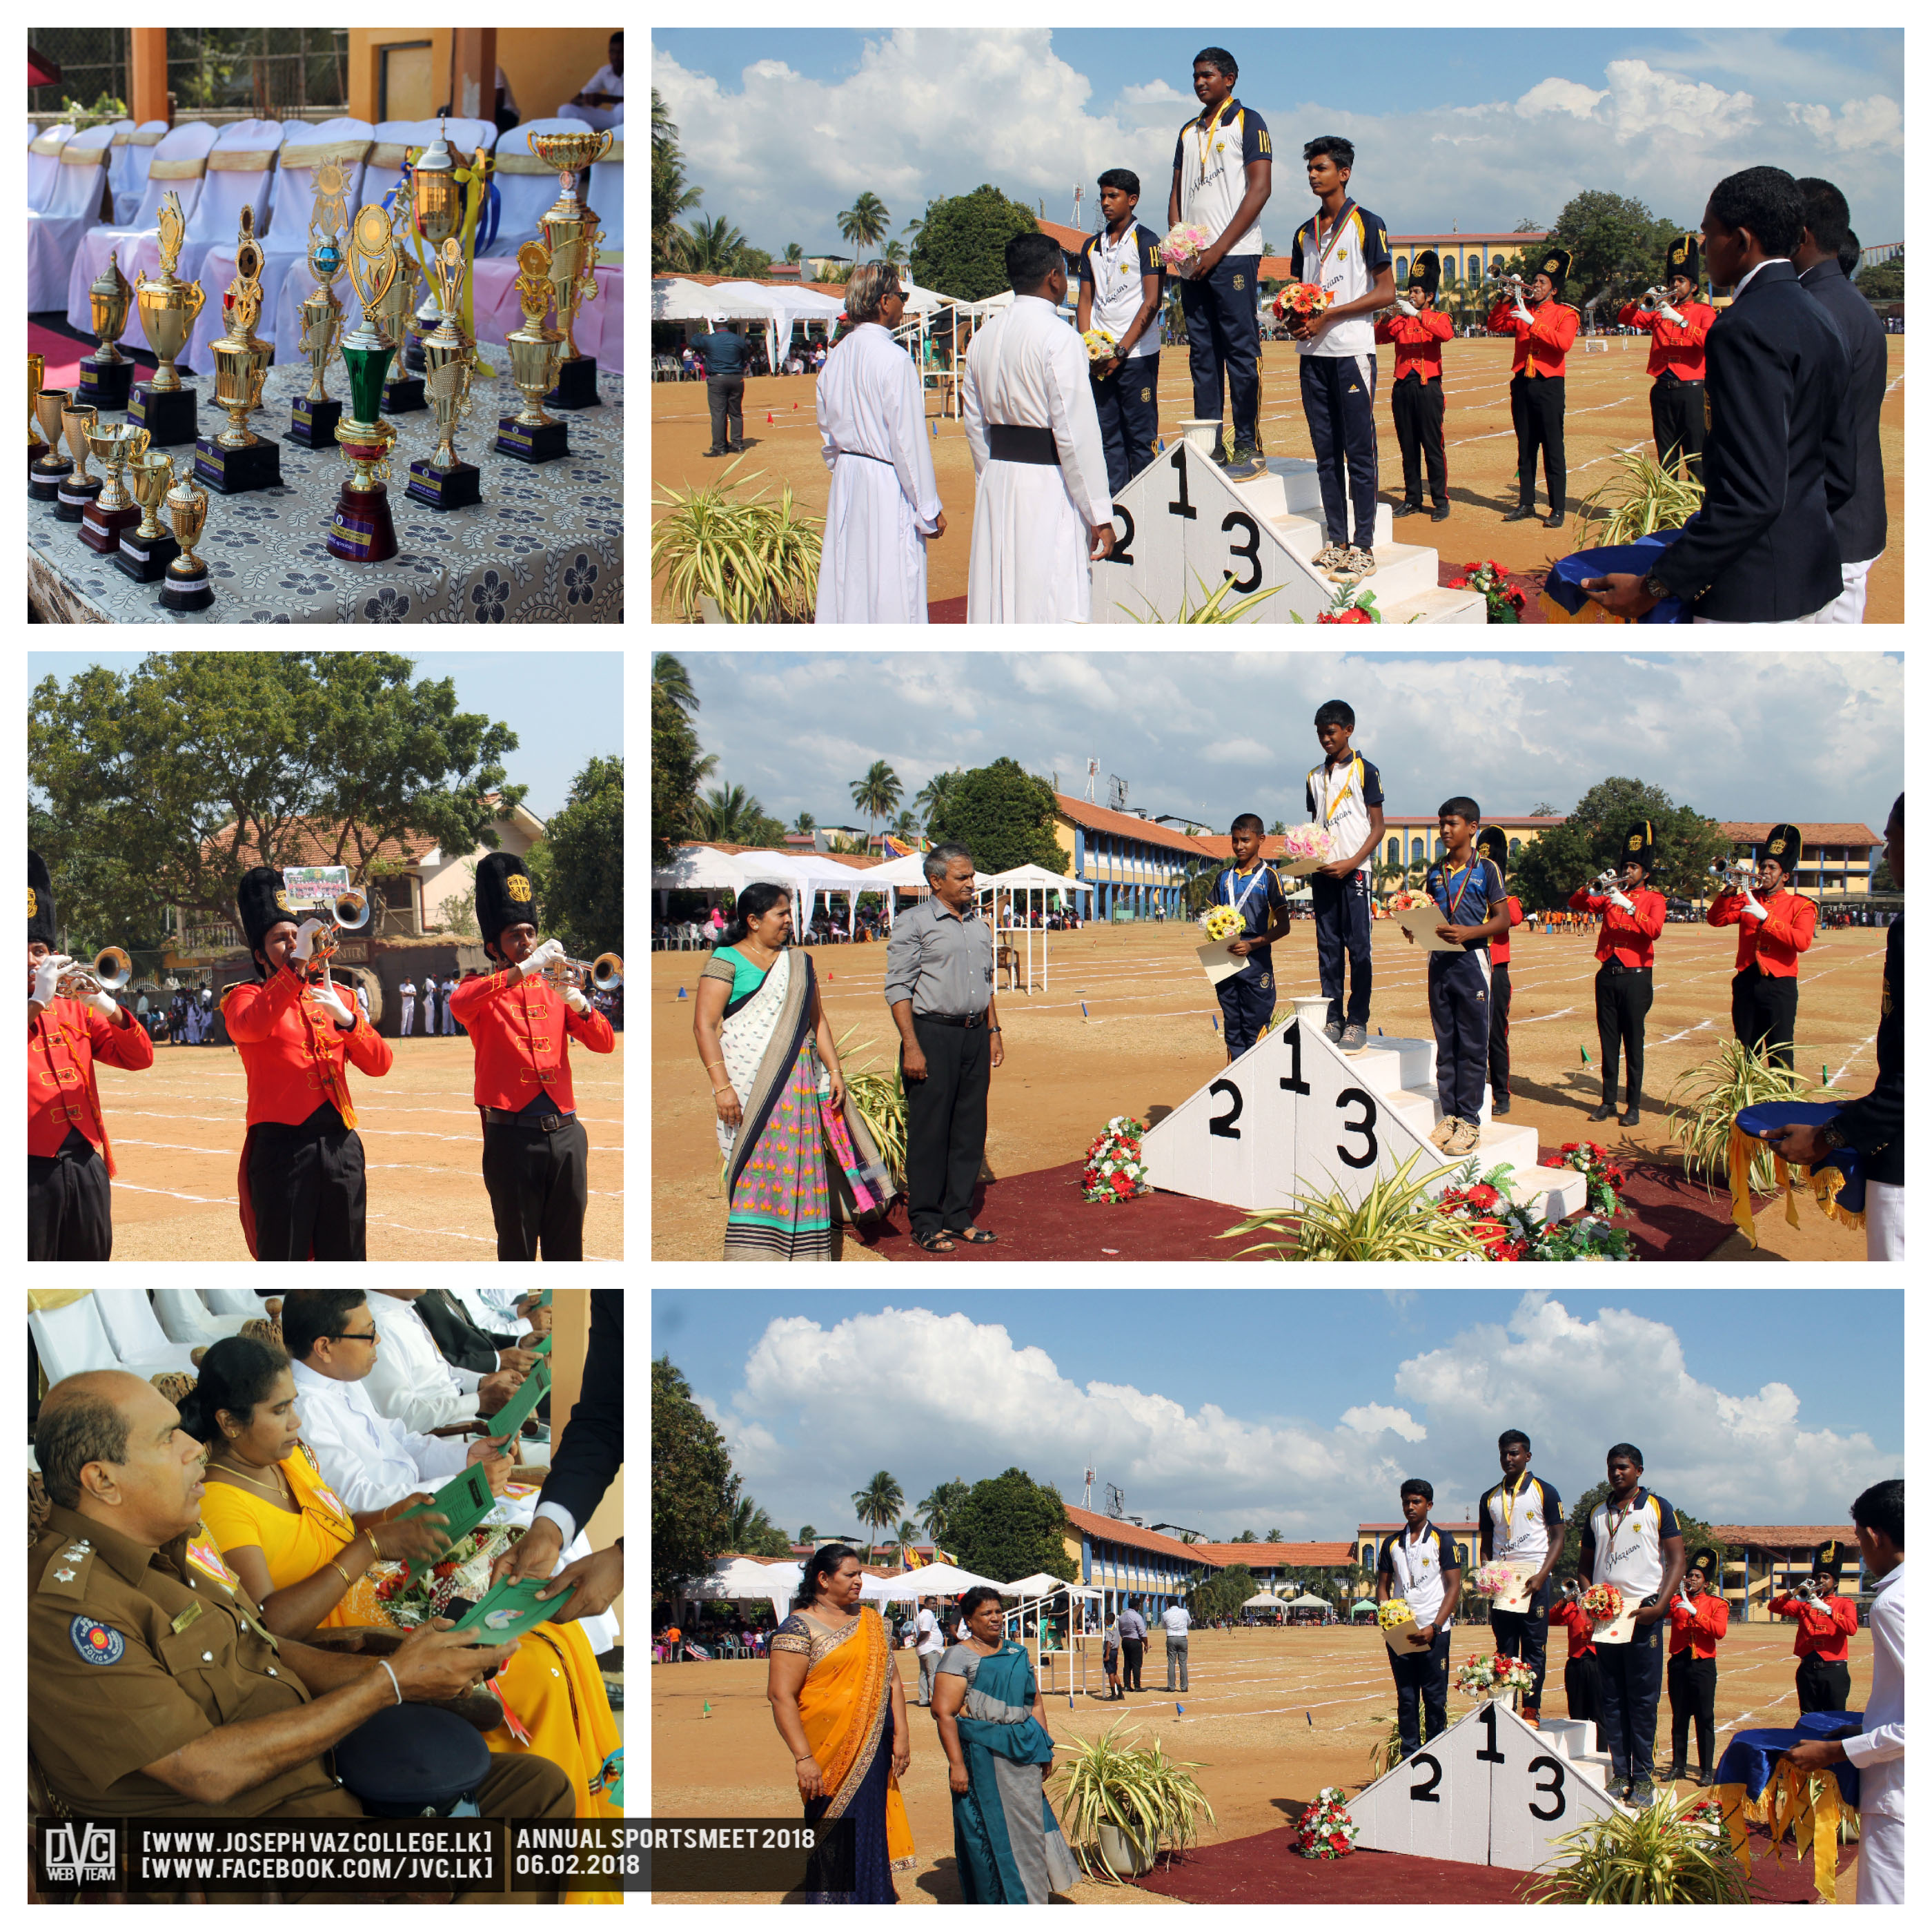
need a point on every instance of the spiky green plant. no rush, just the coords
(1396, 1220)
(1640, 498)
(1137, 1788)
(1651, 1857)
(878, 1095)
(756, 560)
(1211, 610)
(1385, 1754)
(1704, 1100)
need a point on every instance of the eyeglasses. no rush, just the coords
(370, 1336)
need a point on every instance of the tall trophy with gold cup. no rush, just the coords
(106, 376)
(571, 233)
(78, 487)
(445, 482)
(315, 415)
(36, 369)
(144, 552)
(530, 436)
(114, 446)
(184, 584)
(51, 468)
(237, 459)
(362, 530)
(167, 307)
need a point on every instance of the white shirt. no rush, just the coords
(1213, 172)
(1337, 791)
(930, 1641)
(411, 1383)
(1415, 1572)
(870, 402)
(1879, 1749)
(1118, 268)
(1746, 282)
(1348, 272)
(1174, 1620)
(1634, 1558)
(605, 80)
(367, 1459)
(1517, 1532)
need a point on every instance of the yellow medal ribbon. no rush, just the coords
(1202, 136)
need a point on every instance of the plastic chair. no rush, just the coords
(138, 246)
(234, 1301)
(131, 183)
(72, 207)
(44, 163)
(234, 180)
(122, 147)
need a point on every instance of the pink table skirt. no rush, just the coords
(600, 324)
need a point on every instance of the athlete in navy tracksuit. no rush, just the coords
(1473, 900)
(1254, 890)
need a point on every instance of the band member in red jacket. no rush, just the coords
(69, 1162)
(1698, 1618)
(1775, 924)
(535, 1154)
(1579, 1671)
(1418, 330)
(1825, 1621)
(1544, 328)
(1493, 843)
(1677, 324)
(1633, 916)
(301, 1179)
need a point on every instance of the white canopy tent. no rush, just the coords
(1266, 1600)
(675, 298)
(1029, 880)
(740, 1580)
(931, 1580)
(908, 875)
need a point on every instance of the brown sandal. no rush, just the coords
(939, 1243)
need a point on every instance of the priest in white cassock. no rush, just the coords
(1043, 513)
(885, 501)
(412, 1383)
(371, 1461)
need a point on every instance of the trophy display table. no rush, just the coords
(544, 545)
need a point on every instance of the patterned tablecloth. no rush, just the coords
(545, 545)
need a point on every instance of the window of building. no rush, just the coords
(1515, 847)
(1395, 851)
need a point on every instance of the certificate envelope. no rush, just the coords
(1217, 962)
(509, 1419)
(1422, 921)
(509, 1609)
(466, 1499)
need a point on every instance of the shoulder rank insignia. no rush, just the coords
(94, 1643)
(66, 1574)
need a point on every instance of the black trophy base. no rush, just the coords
(186, 593)
(105, 384)
(144, 558)
(35, 451)
(402, 394)
(168, 415)
(576, 385)
(71, 505)
(445, 489)
(313, 425)
(413, 357)
(256, 465)
(43, 486)
(529, 444)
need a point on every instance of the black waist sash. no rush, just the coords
(1014, 443)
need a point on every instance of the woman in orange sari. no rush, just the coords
(832, 1684)
(308, 1563)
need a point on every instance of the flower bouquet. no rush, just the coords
(1325, 1830)
(1400, 1631)
(1393, 1614)
(1222, 922)
(1305, 847)
(1102, 345)
(1301, 302)
(1493, 1580)
(1497, 1675)
(1505, 601)
(464, 1571)
(1181, 247)
(1114, 1170)
(1603, 1603)
(1605, 1179)
(1351, 604)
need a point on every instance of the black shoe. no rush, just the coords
(1519, 514)
(1676, 1771)
(737, 449)
(1607, 1111)
(1245, 464)
(1498, 1108)
(1706, 1777)
(717, 452)
(1406, 510)
(1440, 514)
(1634, 1118)
(1554, 521)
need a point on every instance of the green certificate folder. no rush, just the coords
(541, 1346)
(509, 1609)
(509, 1419)
(466, 1499)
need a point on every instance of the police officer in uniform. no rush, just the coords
(1775, 924)
(1825, 1621)
(1418, 330)
(154, 1689)
(536, 1156)
(1544, 328)
(1677, 327)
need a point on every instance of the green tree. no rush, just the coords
(935, 791)
(962, 246)
(729, 814)
(1883, 281)
(1009, 1526)
(937, 1510)
(1617, 245)
(1002, 815)
(1272, 1536)
(1882, 880)
(906, 1535)
(804, 822)
(715, 247)
(865, 221)
(693, 1490)
(752, 1533)
(894, 251)
(582, 895)
(1221, 1593)
(879, 1502)
(1698, 1534)
(1591, 838)
(670, 676)
(806, 1531)
(877, 793)
(672, 197)
(794, 254)
(1246, 1536)
(675, 775)
(905, 827)
(1278, 829)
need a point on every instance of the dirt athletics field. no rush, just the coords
(1270, 1718)
(1146, 1040)
(177, 1128)
(1607, 394)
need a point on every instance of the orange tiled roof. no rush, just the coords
(1787, 1536)
(314, 844)
(1279, 1555)
(1125, 825)
(1814, 836)
(1112, 1529)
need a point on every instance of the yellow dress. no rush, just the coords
(551, 1685)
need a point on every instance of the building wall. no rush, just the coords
(451, 877)
(1405, 844)
(543, 65)
(1826, 868)
(1132, 874)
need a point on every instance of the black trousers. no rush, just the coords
(1421, 1679)
(1536, 408)
(1128, 405)
(1630, 1676)
(1677, 422)
(1765, 1007)
(309, 1193)
(70, 1208)
(1343, 934)
(1623, 998)
(1338, 397)
(1246, 1001)
(1579, 1693)
(1416, 406)
(1526, 1634)
(1694, 1692)
(1822, 1686)
(946, 1125)
(1131, 1653)
(538, 1185)
(726, 395)
(1225, 332)
(1499, 1006)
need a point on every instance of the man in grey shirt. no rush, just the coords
(1175, 1621)
(1133, 1643)
(939, 985)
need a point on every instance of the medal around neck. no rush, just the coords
(361, 531)
(237, 459)
(168, 307)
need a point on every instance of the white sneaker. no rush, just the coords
(1359, 562)
(1462, 1140)
(1329, 558)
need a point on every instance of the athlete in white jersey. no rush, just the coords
(1520, 1522)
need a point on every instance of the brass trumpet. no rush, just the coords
(1610, 880)
(350, 913)
(605, 974)
(112, 969)
(1739, 876)
(1569, 1591)
(1807, 1592)
(1650, 301)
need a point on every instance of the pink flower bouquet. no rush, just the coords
(1305, 847)
(1493, 1580)
(1180, 248)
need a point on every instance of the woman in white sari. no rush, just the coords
(787, 1138)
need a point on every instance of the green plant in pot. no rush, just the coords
(1705, 1099)
(751, 561)
(1120, 1804)
(1660, 1856)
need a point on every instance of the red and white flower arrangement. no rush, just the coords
(1494, 1675)
(1603, 1603)
(1325, 1830)
(1301, 302)
(1114, 1170)
(1504, 600)
(1605, 1180)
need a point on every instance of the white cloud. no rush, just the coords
(1560, 97)
(1373, 1418)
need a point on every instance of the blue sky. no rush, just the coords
(565, 707)
(1222, 1409)
(1797, 737)
(1480, 126)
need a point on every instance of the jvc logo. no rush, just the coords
(78, 1854)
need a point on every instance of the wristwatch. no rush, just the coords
(1654, 586)
(1832, 1136)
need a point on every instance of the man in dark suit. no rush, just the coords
(1779, 461)
(1861, 523)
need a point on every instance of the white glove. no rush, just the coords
(1523, 312)
(1670, 314)
(104, 1004)
(550, 953)
(330, 1001)
(305, 935)
(1622, 903)
(47, 975)
(1752, 909)
(576, 1001)
(1403, 306)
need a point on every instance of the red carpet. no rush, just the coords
(947, 610)
(1263, 1871)
(1041, 1217)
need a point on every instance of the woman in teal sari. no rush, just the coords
(787, 1135)
(992, 1723)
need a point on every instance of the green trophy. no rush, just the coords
(361, 531)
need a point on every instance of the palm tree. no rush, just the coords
(917, 223)
(669, 676)
(794, 253)
(715, 247)
(894, 251)
(934, 794)
(876, 794)
(1247, 1536)
(804, 822)
(806, 1532)
(865, 221)
(880, 1501)
(905, 827)
(1273, 1536)
(729, 813)
(906, 1535)
(939, 1509)
(671, 194)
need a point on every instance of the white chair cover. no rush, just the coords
(593, 117)
(138, 246)
(43, 153)
(184, 1318)
(131, 183)
(216, 218)
(234, 1301)
(524, 197)
(136, 1335)
(74, 1340)
(294, 134)
(123, 132)
(73, 207)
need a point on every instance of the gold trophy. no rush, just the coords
(36, 369)
(445, 482)
(146, 551)
(168, 308)
(78, 489)
(402, 392)
(530, 435)
(362, 530)
(238, 459)
(571, 233)
(53, 468)
(107, 375)
(316, 414)
(113, 510)
(432, 206)
(185, 585)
